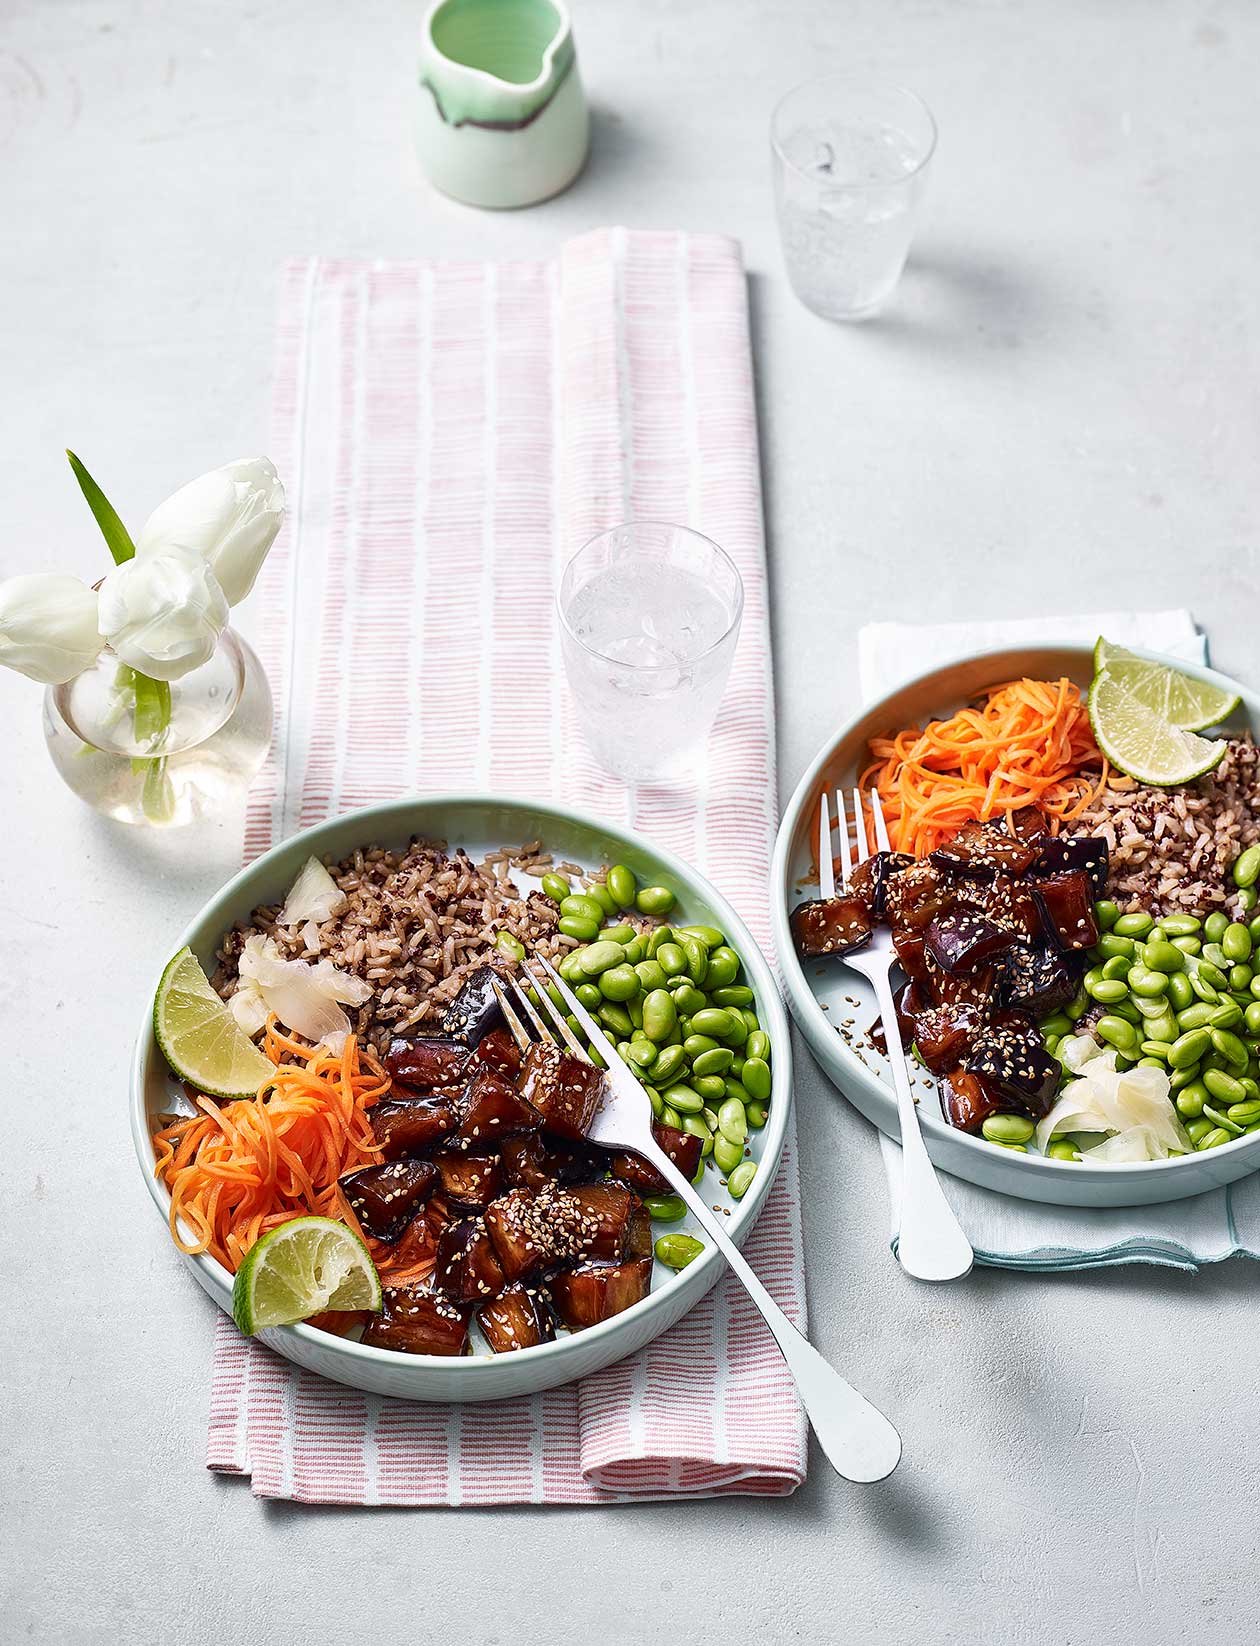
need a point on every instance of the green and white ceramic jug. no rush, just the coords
(501, 118)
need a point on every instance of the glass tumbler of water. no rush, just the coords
(850, 165)
(649, 617)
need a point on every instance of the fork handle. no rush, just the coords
(860, 1443)
(931, 1244)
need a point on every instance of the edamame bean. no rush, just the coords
(651, 975)
(622, 885)
(1152, 1006)
(732, 1121)
(695, 1125)
(1247, 898)
(1224, 1086)
(1123, 1036)
(1188, 1048)
(556, 887)
(1078, 1005)
(669, 1062)
(584, 930)
(662, 934)
(603, 897)
(1197, 1016)
(756, 1078)
(717, 1060)
(1245, 1113)
(619, 983)
(1063, 1149)
(620, 933)
(1223, 1120)
(1157, 1048)
(737, 995)
(675, 1251)
(601, 957)
(684, 1099)
(712, 1087)
(1178, 1079)
(642, 1053)
(1187, 945)
(568, 967)
(712, 1020)
(735, 1090)
(1146, 983)
(510, 945)
(1213, 1140)
(589, 996)
(1203, 989)
(1228, 1015)
(697, 955)
(1108, 990)
(1240, 977)
(723, 968)
(1106, 913)
(1163, 957)
(616, 1018)
(1111, 947)
(1236, 942)
(656, 1100)
(1190, 1100)
(708, 935)
(758, 1114)
(665, 1208)
(737, 1183)
(1180, 994)
(688, 1001)
(654, 900)
(1252, 1018)
(1118, 967)
(1247, 867)
(577, 906)
(1215, 926)
(758, 1045)
(696, 1045)
(659, 1015)
(1008, 1128)
(1181, 925)
(1196, 1129)
(1134, 925)
(727, 1154)
(1057, 1023)
(1214, 955)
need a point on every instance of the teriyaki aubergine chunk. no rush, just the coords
(967, 1101)
(829, 926)
(1036, 979)
(516, 1319)
(982, 851)
(962, 940)
(490, 1109)
(475, 1011)
(914, 898)
(466, 1268)
(596, 1291)
(425, 1063)
(469, 1181)
(869, 880)
(386, 1198)
(1067, 909)
(565, 1090)
(417, 1322)
(943, 1034)
(501, 1053)
(412, 1125)
(1010, 1057)
(1074, 854)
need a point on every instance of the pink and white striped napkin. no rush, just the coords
(449, 434)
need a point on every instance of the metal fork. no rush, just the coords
(860, 1443)
(931, 1244)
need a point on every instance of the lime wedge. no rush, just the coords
(1177, 698)
(301, 1269)
(1142, 743)
(199, 1036)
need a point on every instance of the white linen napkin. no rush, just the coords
(1025, 1234)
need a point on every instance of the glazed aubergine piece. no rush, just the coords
(501, 1053)
(1008, 903)
(1037, 979)
(426, 1062)
(1074, 854)
(943, 1034)
(518, 1231)
(681, 1147)
(490, 1109)
(475, 1011)
(869, 880)
(532, 1159)
(911, 953)
(968, 1101)
(829, 926)
(960, 988)
(596, 1291)
(418, 1322)
(565, 1090)
(412, 1125)
(1029, 823)
(915, 897)
(1067, 907)
(386, 1198)
(605, 1210)
(1009, 1056)
(466, 1268)
(908, 1001)
(982, 851)
(469, 1181)
(516, 1319)
(962, 940)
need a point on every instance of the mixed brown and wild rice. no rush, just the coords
(417, 921)
(1171, 849)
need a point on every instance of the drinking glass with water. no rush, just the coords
(649, 619)
(850, 166)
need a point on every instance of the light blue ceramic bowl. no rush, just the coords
(823, 996)
(480, 823)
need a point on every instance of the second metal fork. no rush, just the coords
(931, 1244)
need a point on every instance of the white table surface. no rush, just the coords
(1059, 413)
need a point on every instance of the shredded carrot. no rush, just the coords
(238, 1170)
(1028, 743)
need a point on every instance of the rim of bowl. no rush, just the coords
(522, 88)
(802, 996)
(855, 83)
(652, 668)
(743, 1217)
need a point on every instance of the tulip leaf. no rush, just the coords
(153, 708)
(112, 528)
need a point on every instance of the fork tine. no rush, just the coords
(826, 873)
(590, 1027)
(863, 844)
(519, 1032)
(881, 828)
(557, 1017)
(846, 856)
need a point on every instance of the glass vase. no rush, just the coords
(128, 752)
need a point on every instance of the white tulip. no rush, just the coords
(230, 516)
(48, 627)
(163, 612)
